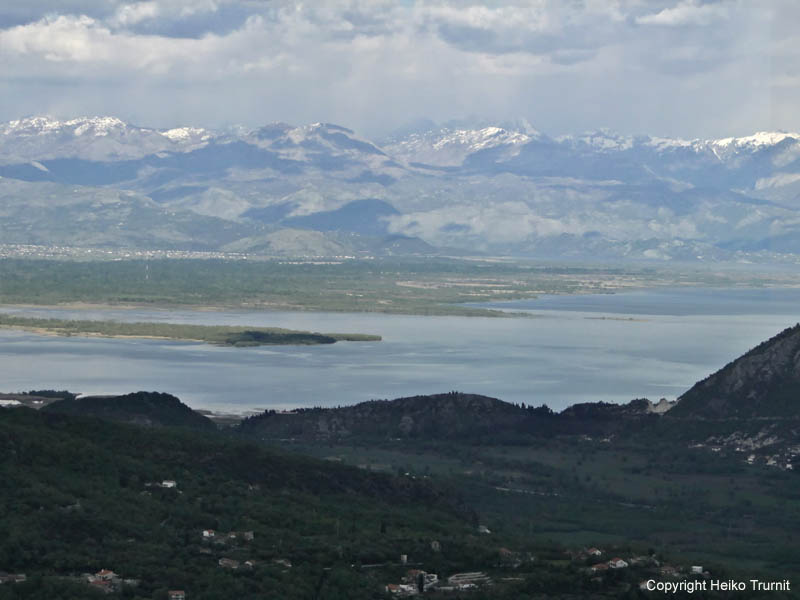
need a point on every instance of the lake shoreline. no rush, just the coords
(457, 310)
(560, 358)
(228, 336)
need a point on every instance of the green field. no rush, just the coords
(434, 286)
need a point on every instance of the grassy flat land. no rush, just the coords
(431, 286)
(212, 334)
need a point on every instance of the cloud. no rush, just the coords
(535, 28)
(131, 14)
(632, 65)
(20, 13)
(72, 42)
(687, 12)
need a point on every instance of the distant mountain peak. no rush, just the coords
(451, 144)
(99, 126)
(183, 134)
(758, 139)
(480, 139)
(330, 126)
(96, 125)
(38, 125)
(97, 138)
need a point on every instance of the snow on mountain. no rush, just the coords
(757, 140)
(662, 144)
(474, 141)
(503, 188)
(450, 147)
(187, 134)
(91, 138)
(37, 126)
(602, 140)
(600, 154)
(731, 151)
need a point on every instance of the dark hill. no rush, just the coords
(439, 415)
(763, 383)
(454, 415)
(152, 409)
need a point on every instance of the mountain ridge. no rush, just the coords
(480, 136)
(498, 189)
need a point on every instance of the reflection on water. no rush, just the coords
(562, 356)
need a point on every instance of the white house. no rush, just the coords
(617, 563)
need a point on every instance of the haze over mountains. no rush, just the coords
(322, 190)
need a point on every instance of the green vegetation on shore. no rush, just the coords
(213, 334)
(433, 286)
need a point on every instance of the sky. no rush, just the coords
(685, 68)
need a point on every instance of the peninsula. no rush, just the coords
(221, 335)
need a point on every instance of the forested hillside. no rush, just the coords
(80, 495)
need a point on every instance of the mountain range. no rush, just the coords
(323, 190)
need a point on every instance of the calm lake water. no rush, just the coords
(575, 349)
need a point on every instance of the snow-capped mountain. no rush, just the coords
(500, 188)
(91, 138)
(450, 147)
(755, 141)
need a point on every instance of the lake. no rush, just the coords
(610, 347)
